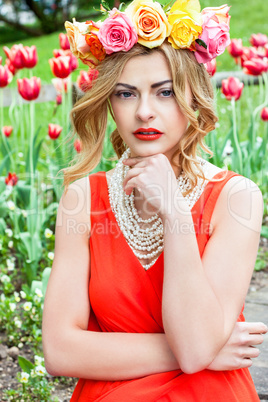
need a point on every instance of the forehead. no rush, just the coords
(146, 69)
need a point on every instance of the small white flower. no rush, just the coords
(10, 265)
(27, 306)
(24, 377)
(228, 149)
(12, 306)
(217, 125)
(18, 323)
(17, 299)
(48, 233)
(11, 337)
(38, 293)
(22, 294)
(223, 110)
(40, 370)
(51, 255)
(5, 279)
(43, 186)
(259, 140)
(38, 360)
(24, 213)
(10, 205)
(20, 345)
(20, 154)
(1, 246)
(10, 244)
(2, 297)
(8, 231)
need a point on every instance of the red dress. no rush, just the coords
(125, 297)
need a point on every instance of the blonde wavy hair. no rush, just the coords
(89, 115)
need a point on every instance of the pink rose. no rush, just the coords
(117, 33)
(215, 35)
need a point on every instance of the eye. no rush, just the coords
(124, 94)
(166, 93)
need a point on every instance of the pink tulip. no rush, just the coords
(64, 42)
(61, 84)
(29, 88)
(7, 130)
(1, 60)
(77, 145)
(258, 39)
(59, 99)
(255, 66)
(266, 50)
(264, 114)
(29, 56)
(5, 76)
(60, 66)
(211, 67)
(11, 179)
(54, 131)
(73, 60)
(86, 78)
(232, 88)
(235, 48)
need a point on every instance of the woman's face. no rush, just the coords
(146, 113)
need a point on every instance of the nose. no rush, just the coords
(145, 110)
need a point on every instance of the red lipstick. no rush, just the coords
(147, 134)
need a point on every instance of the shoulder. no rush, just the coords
(75, 202)
(241, 201)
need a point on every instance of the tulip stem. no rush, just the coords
(32, 118)
(3, 136)
(235, 138)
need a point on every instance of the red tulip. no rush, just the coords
(1, 60)
(211, 67)
(7, 130)
(64, 42)
(77, 145)
(15, 55)
(11, 179)
(255, 66)
(232, 88)
(73, 60)
(5, 76)
(264, 114)
(266, 50)
(59, 99)
(29, 56)
(258, 39)
(29, 88)
(11, 67)
(60, 66)
(54, 131)
(86, 78)
(235, 48)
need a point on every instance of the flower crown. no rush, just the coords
(146, 22)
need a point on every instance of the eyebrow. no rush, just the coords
(157, 84)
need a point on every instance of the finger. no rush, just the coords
(253, 327)
(132, 183)
(130, 174)
(252, 352)
(255, 339)
(246, 363)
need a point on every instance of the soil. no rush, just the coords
(8, 356)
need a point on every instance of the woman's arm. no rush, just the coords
(70, 349)
(202, 298)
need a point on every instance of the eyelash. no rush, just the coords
(122, 93)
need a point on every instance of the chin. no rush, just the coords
(146, 149)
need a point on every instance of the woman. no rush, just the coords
(156, 314)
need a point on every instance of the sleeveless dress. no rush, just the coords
(125, 297)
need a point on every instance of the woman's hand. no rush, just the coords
(154, 177)
(239, 349)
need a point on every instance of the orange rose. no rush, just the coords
(150, 22)
(96, 47)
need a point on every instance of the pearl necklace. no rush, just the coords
(150, 239)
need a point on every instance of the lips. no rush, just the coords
(147, 131)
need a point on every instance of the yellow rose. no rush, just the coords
(78, 45)
(186, 21)
(150, 22)
(221, 12)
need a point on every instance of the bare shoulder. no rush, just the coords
(240, 201)
(75, 204)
